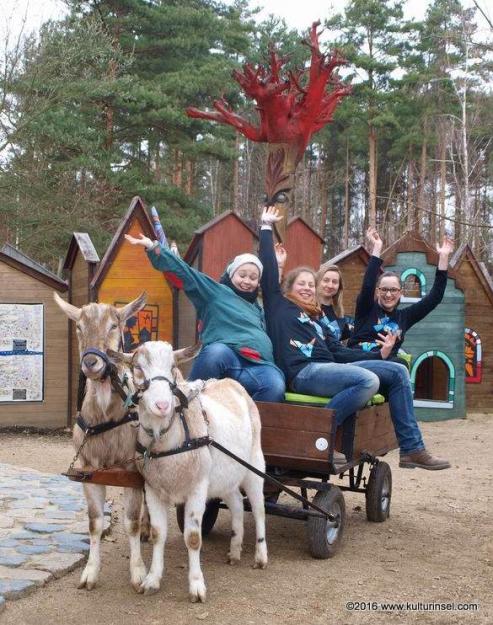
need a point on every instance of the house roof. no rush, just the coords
(80, 241)
(410, 241)
(135, 210)
(465, 254)
(298, 218)
(359, 250)
(197, 235)
(18, 260)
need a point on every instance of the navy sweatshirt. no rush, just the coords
(370, 318)
(298, 339)
(339, 327)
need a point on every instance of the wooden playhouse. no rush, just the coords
(452, 371)
(33, 344)
(123, 273)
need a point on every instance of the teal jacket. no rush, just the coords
(223, 316)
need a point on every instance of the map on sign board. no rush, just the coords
(21, 352)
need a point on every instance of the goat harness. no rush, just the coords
(109, 371)
(183, 403)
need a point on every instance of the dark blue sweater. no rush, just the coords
(298, 339)
(339, 327)
(371, 319)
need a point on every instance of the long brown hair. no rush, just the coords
(337, 302)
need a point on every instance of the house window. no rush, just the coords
(473, 356)
(413, 285)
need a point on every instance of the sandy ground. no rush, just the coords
(435, 548)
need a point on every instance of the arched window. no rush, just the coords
(413, 285)
(433, 380)
(473, 356)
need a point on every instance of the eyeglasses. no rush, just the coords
(392, 290)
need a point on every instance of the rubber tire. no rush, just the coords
(321, 545)
(379, 483)
(208, 520)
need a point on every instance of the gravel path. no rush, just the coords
(436, 548)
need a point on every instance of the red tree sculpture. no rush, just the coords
(290, 113)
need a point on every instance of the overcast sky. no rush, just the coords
(297, 13)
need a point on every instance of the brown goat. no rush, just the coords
(100, 327)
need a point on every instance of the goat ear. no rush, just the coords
(187, 353)
(71, 311)
(130, 309)
(120, 356)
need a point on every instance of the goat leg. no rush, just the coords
(159, 528)
(95, 495)
(132, 511)
(194, 511)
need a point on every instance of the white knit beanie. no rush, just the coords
(243, 259)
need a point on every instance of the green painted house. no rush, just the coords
(437, 342)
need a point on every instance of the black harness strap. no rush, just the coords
(280, 485)
(81, 390)
(193, 443)
(99, 428)
(112, 372)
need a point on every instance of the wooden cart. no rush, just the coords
(298, 439)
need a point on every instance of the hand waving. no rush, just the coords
(374, 240)
(144, 241)
(386, 342)
(447, 246)
(270, 215)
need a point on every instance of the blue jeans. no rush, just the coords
(396, 386)
(263, 381)
(349, 387)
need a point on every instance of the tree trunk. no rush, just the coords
(345, 234)
(411, 217)
(236, 176)
(372, 147)
(422, 178)
(324, 195)
(443, 184)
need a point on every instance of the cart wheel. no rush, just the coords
(324, 536)
(378, 493)
(210, 515)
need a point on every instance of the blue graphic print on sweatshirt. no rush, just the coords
(333, 327)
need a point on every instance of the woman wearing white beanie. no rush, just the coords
(231, 322)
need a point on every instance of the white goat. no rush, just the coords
(99, 327)
(226, 413)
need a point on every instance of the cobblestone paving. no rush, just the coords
(43, 529)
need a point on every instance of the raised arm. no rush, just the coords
(418, 311)
(270, 275)
(198, 286)
(366, 297)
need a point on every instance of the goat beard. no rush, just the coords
(102, 393)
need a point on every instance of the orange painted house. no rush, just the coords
(125, 272)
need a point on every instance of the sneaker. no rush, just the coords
(423, 460)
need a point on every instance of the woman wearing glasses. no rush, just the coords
(378, 312)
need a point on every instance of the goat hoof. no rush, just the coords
(233, 560)
(260, 564)
(197, 598)
(197, 591)
(151, 590)
(86, 582)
